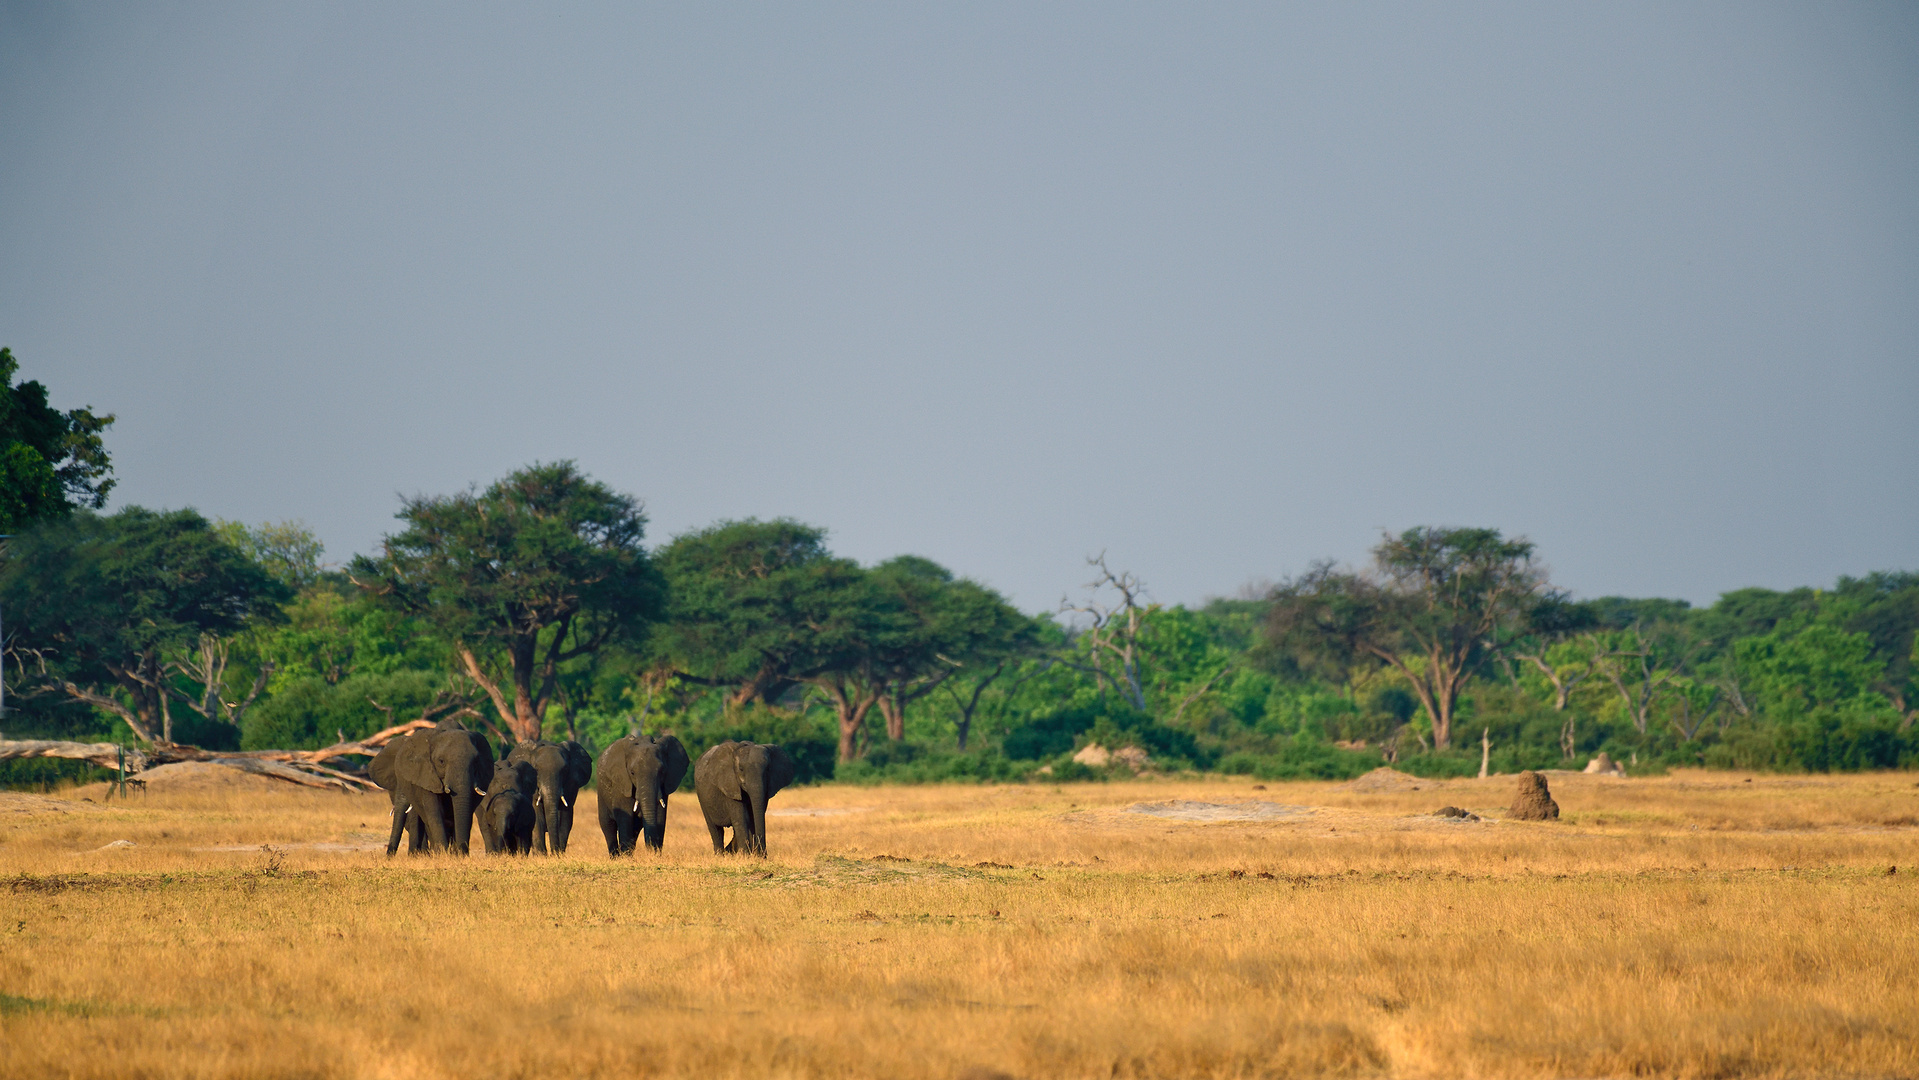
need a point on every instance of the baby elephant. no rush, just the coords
(734, 780)
(635, 775)
(506, 814)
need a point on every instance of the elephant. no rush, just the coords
(734, 780)
(635, 775)
(384, 770)
(563, 768)
(506, 814)
(443, 773)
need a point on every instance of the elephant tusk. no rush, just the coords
(636, 806)
(563, 801)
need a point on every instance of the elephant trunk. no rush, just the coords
(463, 802)
(553, 812)
(652, 810)
(426, 803)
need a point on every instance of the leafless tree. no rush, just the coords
(1113, 629)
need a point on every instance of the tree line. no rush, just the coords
(534, 607)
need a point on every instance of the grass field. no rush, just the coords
(1699, 925)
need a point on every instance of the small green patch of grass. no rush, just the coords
(14, 1005)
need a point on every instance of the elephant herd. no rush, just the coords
(444, 780)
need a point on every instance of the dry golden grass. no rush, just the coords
(1699, 925)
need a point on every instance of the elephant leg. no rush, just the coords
(718, 832)
(539, 824)
(399, 823)
(609, 829)
(415, 831)
(742, 829)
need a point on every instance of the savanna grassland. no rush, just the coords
(1706, 925)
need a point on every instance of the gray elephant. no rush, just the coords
(506, 814)
(443, 773)
(563, 768)
(734, 780)
(384, 770)
(635, 775)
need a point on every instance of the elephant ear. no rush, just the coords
(724, 763)
(619, 769)
(780, 770)
(579, 764)
(416, 765)
(673, 763)
(480, 765)
(385, 765)
(611, 767)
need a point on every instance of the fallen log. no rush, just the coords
(105, 754)
(305, 767)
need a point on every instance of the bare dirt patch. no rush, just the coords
(17, 802)
(1191, 810)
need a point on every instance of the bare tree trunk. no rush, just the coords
(522, 729)
(305, 767)
(1485, 750)
(965, 724)
(850, 704)
(893, 709)
(1115, 629)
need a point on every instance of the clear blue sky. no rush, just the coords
(1217, 289)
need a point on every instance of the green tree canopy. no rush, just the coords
(51, 462)
(1435, 606)
(903, 629)
(95, 606)
(756, 606)
(543, 567)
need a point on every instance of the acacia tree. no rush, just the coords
(1645, 665)
(755, 608)
(107, 610)
(946, 626)
(543, 567)
(1435, 606)
(51, 462)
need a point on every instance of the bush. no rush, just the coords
(809, 739)
(310, 713)
(1108, 723)
(1301, 759)
(912, 763)
(45, 774)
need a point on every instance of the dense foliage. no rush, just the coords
(51, 462)
(1449, 648)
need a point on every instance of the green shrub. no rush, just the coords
(310, 713)
(808, 738)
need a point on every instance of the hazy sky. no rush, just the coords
(1217, 289)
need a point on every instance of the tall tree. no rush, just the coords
(947, 626)
(51, 462)
(1114, 611)
(543, 567)
(754, 605)
(106, 609)
(1647, 663)
(288, 550)
(1435, 606)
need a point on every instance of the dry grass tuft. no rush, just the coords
(1694, 926)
